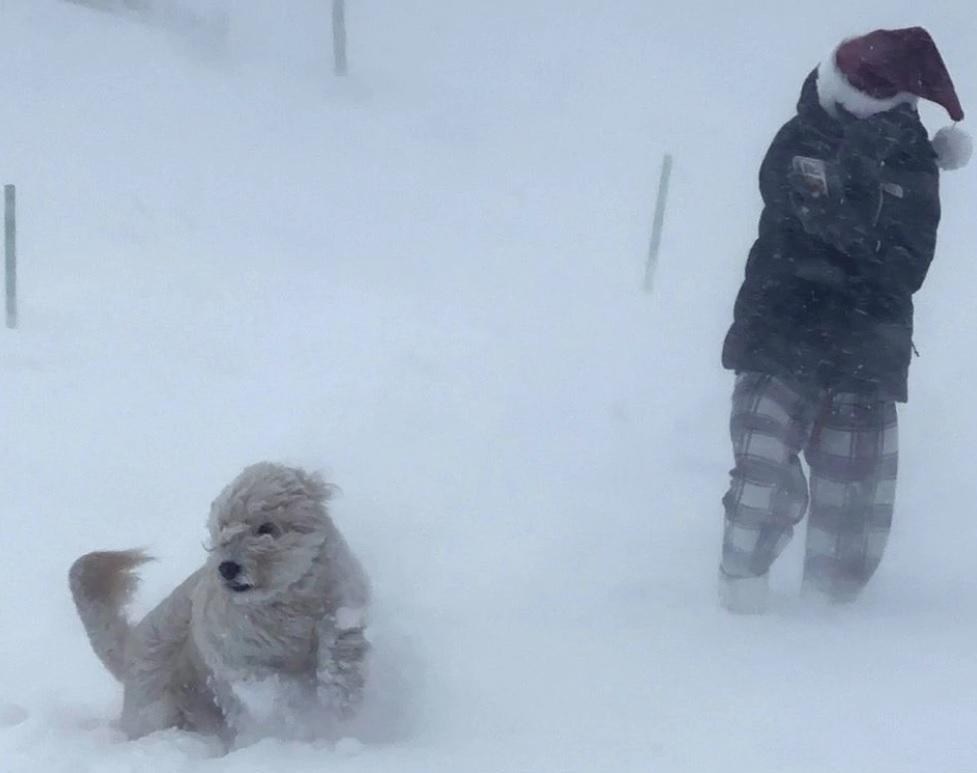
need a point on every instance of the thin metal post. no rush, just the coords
(656, 228)
(339, 35)
(10, 251)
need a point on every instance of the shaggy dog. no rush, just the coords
(266, 637)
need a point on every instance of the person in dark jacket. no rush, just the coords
(821, 339)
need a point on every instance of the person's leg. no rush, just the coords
(853, 457)
(769, 424)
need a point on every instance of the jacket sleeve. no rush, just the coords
(843, 220)
(846, 215)
(773, 171)
(907, 226)
(885, 209)
(901, 164)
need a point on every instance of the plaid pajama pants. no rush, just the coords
(849, 444)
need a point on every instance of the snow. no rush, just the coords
(425, 280)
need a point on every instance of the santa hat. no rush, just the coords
(885, 68)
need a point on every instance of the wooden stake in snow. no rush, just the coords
(656, 228)
(10, 252)
(339, 35)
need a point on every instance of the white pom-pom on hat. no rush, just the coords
(953, 147)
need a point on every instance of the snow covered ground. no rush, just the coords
(425, 281)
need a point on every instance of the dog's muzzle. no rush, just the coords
(230, 571)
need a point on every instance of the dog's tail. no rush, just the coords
(102, 584)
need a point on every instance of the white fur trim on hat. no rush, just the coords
(834, 89)
(953, 147)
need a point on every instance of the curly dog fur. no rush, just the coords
(268, 636)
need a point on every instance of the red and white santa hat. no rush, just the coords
(885, 68)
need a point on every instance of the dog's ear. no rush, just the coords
(316, 487)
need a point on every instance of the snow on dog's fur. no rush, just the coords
(267, 637)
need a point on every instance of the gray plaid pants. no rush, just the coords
(849, 444)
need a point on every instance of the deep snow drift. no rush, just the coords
(425, 280)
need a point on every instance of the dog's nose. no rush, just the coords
(229, 569)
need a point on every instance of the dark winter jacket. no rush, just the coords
(827, 298)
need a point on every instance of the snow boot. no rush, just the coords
(744, 595)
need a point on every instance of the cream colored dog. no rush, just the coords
(266, 638)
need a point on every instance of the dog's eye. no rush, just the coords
(267, 528)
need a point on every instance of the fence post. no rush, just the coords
(656, 228)
(339, 36)
(10, 252)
